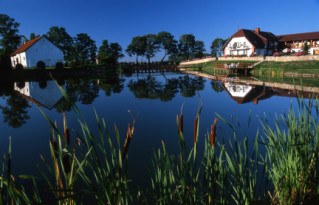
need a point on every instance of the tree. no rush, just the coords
(62, 40)
(151, 46)
(305, 48)
(136, 47)
(167, 43)
(186, 46)
(199, 49)
(110, 53)
(32, 36)
(103, 54)
(116, 51)
(217, 46)
(85, 48)
(10, 40)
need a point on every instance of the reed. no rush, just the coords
(224, 171)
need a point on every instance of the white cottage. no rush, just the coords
(35, 50)
(251, 42)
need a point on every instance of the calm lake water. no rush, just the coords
(154, 100)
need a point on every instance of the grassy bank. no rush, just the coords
(287, 68)
(266, 68)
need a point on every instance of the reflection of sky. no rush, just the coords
(155, 122)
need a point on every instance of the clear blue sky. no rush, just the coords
(120, 20)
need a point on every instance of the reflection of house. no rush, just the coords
(295, 42)
(243, 93)
(35, 50)
(46, 94)
(250, 42)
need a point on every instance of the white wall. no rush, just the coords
(43, 50)
(19, 58)
(243, 45)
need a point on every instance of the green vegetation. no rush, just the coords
(225, 170)
(283, 68)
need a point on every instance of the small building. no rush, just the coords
(296, 42)
(251, 42)
(35, 50)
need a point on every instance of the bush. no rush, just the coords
(40, 65)
(276, 54)
(59, 66)
(19, 66)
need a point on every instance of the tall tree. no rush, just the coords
(167, 43)
(9, 40)
(199, 49)
(103, 54)
(32, 36)
(151, 46)
(116, 51)
(186, 46)
(217, 47)
(136, 47)
(85, 48)
(63, 40)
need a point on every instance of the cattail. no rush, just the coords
(67, 135)
(180, 124)
(66, 161)
(66, 130)
(212, 134)
(195, 129)
(129, 135)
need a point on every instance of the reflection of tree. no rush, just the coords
(88, 90)
(145, 88)
(217, 86)
(150, 88)
(112, 84)
(78, 90)
(189, 85)
(15, 113)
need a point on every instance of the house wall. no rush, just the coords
(43, 50)
(239, 46)
(19, 58)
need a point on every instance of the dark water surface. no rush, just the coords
(154, 100)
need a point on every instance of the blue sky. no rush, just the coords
(120, 20)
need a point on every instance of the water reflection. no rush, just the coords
(252, 90)
(15, 112)
(45, 93)
(150, 88)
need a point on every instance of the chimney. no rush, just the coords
(257, 30)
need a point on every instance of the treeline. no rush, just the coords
(82, 50)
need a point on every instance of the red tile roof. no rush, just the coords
(299, 37)
(257, 40)
(26, 46)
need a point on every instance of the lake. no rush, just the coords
(152, 100)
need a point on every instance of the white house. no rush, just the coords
(250, 42)
(35, 50)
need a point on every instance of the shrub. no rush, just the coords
(59, 66)
(19, 66)
(40, 65)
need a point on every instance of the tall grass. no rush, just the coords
(224, 171)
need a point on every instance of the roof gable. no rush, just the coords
(258, 40)
(26, 46)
